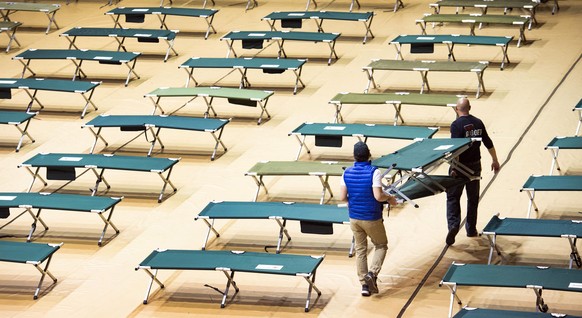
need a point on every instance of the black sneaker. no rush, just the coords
(370, 279)
(451, 236)
(365, 291)
(472, 234)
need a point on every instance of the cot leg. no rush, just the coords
(574, 255)
(505, 57)
(493, 246)
(87, 102)
(301, 145)
(521, 35)
(98, 181)
(210, 228)
(157, 105)
(153, 278)
(33, 225)
(12, 37)
(398, 48)
(43, 271)
(540, 305)
(23, 132)
(453, 288)
(170, 48)
(531, 194)
(368, 26)
(131, 70)
(399, 4)
(422, 26)
(579, 123)
(282, 230)
(97, 136)
(263, 111)
(218, 142)
(281, 51)
(480, 84)
(228, 284)
(298, 80)
(34, 177)
(107, 223)
(554, 160)
(26, 67)
(209, 107)
(259, 182)
(52, 21)
(244, 81)
(33, 99)
(116, 21)
(167, 181)
(338, 118)
(155, 138)
(210, 27)
(352, 247)
(397, 115)
(325, 183)
(230, 49)
(451, 47)
(371, 81)
(311, 287)
(332, 53)
(424, 76)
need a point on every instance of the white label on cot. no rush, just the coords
(102, 57)
(256, 34)
(575, 285)
(7, 197)
(334, 128)
(7, 82)
(270, 65)
(425, 38)
(296, 14)
(140, 10)
(269, 267)
(143, 34)
(443, 147)
(70, 158)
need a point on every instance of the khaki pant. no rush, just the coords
(377, 233)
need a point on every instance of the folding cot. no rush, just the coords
(414, 163)
(119, 34)
(578, 108)
(32, 85)
(230, 262)
(10, 28)
(267, 65)
(528, 6)
(30, 253)
(477, 19)
(293, 19)
(244, 97)
(562, 143)
(154, 125)
(314, 218)
(569, 229)
(468, 312)
(137, 15)
(255, 39)
(321, 169)
(78, 57)
(532, 277)
(549, 183)
(17, 119)
(396, 99)
(57, 201)
(331, 135)
(8, 8)
(425, 43)
(424, 67)
(61, 166)
(254, 4)
(398, 4)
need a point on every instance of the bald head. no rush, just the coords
(463, 106)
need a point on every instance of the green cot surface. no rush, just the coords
(9, 25)
(48, 84)
(298, 168)
(488, 313)
(396, 98)
(186, 12)
(112, 56)
(489, 3)
(119, 32)
(486, 18)
(284, 35)
(14, 117)
(365, 130)
(455, 39)
(513, 276)
(285, 210)
(421, 154)
(253, 63)
(21, 252)
(566, 143)
(414, 190)
(553, 183)
(439, 66)
(246, 262)
(57, 201)
(533, 227)
(76, 160)
(173, 122)
(223, 92)
(323, 15)
(27, 6)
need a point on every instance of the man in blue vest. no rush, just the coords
(361, 186)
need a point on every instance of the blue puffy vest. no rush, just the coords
(361, 202)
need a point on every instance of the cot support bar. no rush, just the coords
(23, 132)
(43, 272)
(210, 228)
(301, 145)
(149, 288)
(311, 282)
(107, 223)
(230, 282)
(282, 230)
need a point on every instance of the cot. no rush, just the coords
(477, 19)
(10, 28)
(424, 67)
(17, 119)
(468, 312)
(293, 19)
(531, 277)
(119, 34)
(549, 183)
(137, 15)
(398, 4)
(395, 99)
(30, 253)
(8, 8)
(255, 39)
(154, 124)
(61, 166)
(321, 169)
(32, 85)
(562, 143)
(568, 229)
(230, 262)
(578, 108)
(244, 97)
(78, 57)
(314, 218)
(425, 43)
(331, 135)
(267, 65)
(415, 161)
(57, 201)
(528, 6)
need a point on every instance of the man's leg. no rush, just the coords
(361, 247)
(453, 212)
(473, 188)
(377, 233)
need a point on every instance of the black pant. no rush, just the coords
(454, 201)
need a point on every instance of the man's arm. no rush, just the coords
(495, 164)
(380, 196)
